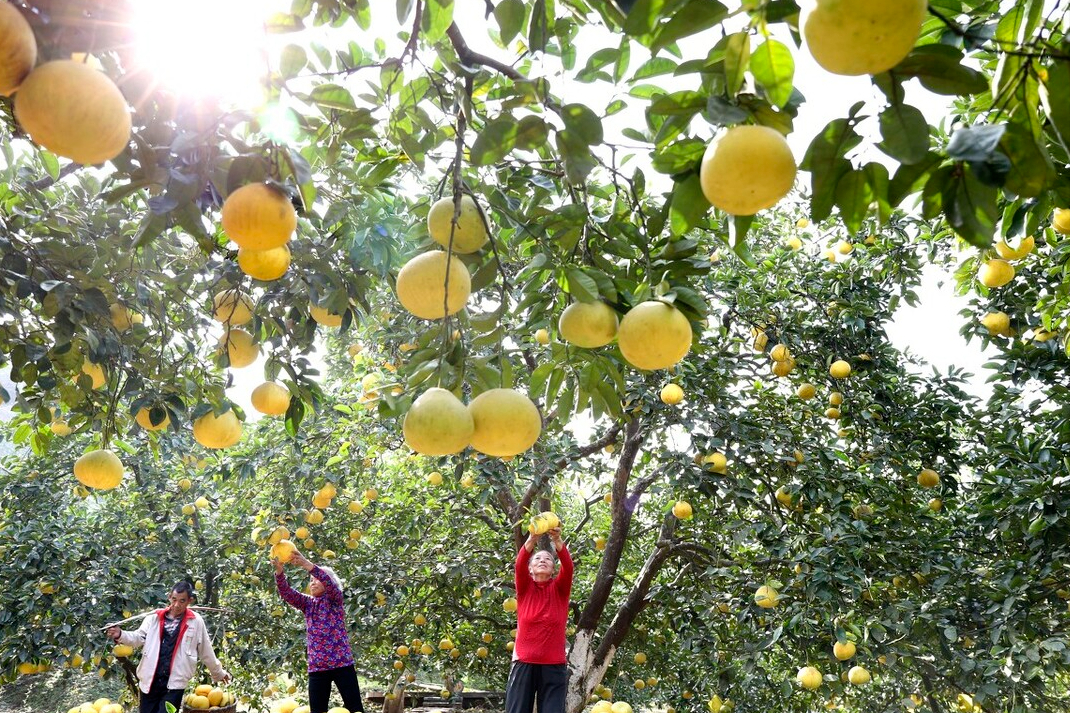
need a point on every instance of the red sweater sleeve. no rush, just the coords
(564, 576)
(521, 575)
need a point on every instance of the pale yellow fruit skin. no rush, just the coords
(505, 421)
(806, 391)
(766, 597)
(995, 273)
(271, 399)
(853, 37)
(839, 369)
(809, 678)
(18, 49)
(654, 335)
(73, 111)
(1025, 247)
(213, 431)
(121, 316)
(997, 323)
(95, 372)
(682, 510)
(144, 420)
(264, 265)
(928, 478)
(1060, 221)
(438, 424)
(588, 324)
(421, 285)
(858, 676)
(241, 349)
(843, 651)
(470, 234)
(258, 217)
(324, 317)
(672, 394)
(747, 169)
(283, 551)
(232, 307)
(100, 469)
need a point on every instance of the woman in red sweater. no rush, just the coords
(540, 668)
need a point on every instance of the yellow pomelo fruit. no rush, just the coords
(259, 217)
(232, 307)
(241, 349)
(122, 651)
(95, 372)
(314, 516)
(215, 697)
(997, 323)
(470, 234)
(858, 676)
(588, 324)
(1060, 221)
(716, 463)
(809, 678)
(99, 469)
(506, 422)
(60, 428)
(542, 336)
(806, 391)
(928, 478)
(835, 398)
(213, 431)
(421, 285)
(434, 478)
(18, 49)
(780, 353)
(324, 317)
(995, 273)
(264, 265)
(747, 169)
(654, 335)
(783, 368)
(438, 424)
(74, 111)
(672, 394)
(121, 316)
(271, 398)
(682, 510)
(202, 689)
(278, 535)
(144, 419)
(766, 597)
(283, 551)
(843, 650)
(101, 702)
(198, 702)
(861, 36)
(840, 369)
(301, 533)
(509, 605)
(1025, 247)
(845, 247)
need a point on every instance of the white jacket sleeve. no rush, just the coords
(137, 638)
(206, 654)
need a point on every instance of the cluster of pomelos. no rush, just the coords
(100, 705)
(207, 697)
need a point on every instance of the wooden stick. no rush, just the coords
(139, 617)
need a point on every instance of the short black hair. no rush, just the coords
(184, 587)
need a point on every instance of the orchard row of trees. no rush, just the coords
(955, 596)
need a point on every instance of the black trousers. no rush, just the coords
(319, 689)
(159, 693)
(528, 682)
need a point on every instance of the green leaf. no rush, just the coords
(905, 132)
(721, 112)
(582, 122)
(538, 28)
(826, 162)
(532, 132)
(853, 196)
(1031, 169)
(579, 161)
(975, 143)
(684, 103)
(683, 155)
(404, 7)
(738, 225)
(332, 96)
(51, 164)
(689, 205)
(736, 58)
(970, 207)
(1055, 99)
(438, 15)
(910, 178)
(497, 139)
(642, 18)
(654, 67)
(510, 17)
(692, 18)
(939, 69)
(283, 22)
(292, 61)
(624, 58)
(581, 286)
(774, 68)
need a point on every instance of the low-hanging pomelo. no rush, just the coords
(471, 232)
(271, 398)
(438, 424)
(588, 324)
(100, 469)
(505, 421)
(654, 335)
(18, 49)
(422, 285)
(259, 217)
(747, 169)
(861, 36)
(221, 431)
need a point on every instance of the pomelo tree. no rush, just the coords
(113, 276)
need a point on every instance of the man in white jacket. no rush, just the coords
(174, 639)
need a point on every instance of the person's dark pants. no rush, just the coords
(528, 682)
(153, 701)
(319, 689)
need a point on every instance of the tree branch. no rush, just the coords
(470, 58)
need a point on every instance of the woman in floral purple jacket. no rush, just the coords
(330, 659)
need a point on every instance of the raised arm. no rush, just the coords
(564, 576)
(290, 595)
(521, 575)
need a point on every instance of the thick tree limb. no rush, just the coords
(470, 58)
